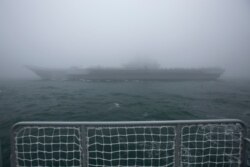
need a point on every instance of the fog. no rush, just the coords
(110, 33)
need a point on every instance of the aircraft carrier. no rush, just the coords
(106, 74)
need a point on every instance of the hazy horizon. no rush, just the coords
(110, 33)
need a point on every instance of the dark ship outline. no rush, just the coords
(106, 74)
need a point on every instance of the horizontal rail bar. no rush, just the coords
(65, 123)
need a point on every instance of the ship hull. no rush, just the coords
(126, 74)
(49, 74)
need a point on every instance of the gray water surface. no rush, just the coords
(119, 101)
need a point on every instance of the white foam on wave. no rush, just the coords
(114, 106)
(117, 105)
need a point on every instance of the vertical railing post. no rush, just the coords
(84, 146)
(244, 148)
(13, 159)
(178, 146)
(246, 157)
(1, 160)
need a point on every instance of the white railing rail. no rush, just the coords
(136, 143)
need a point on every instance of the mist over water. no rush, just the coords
(61, 33)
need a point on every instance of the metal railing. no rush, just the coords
(1, 161)
(143, 143)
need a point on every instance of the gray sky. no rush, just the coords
(176, 33)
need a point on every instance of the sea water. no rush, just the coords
(27, 100)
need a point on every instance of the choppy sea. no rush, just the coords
(34, 100)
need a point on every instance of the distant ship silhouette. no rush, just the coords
(127, 73)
